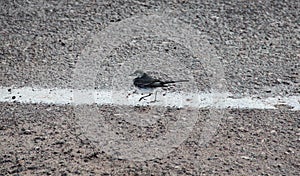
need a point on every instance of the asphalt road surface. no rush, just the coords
(68, 105)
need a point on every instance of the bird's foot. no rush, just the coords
(141, 98)
(145, 96)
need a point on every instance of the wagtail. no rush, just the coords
(144, 81)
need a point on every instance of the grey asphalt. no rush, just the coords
(257, 43)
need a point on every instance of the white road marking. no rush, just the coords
(101, 97)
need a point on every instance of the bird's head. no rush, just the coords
(138, 73)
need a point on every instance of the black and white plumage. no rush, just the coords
(144, 81)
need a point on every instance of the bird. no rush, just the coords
(145, 81)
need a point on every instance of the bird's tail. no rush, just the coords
(169, 82)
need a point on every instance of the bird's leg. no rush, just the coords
(154, 97)
(145, 96)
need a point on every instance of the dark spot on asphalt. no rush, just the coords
(115, 20)
(9, 90)
(62, 43)
(13, 97)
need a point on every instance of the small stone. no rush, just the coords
(268, 91)
(246, 157)
(230, 118)
(259, 131)
(290, 150)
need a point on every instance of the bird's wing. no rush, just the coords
(146, 84)
(156, 83)
(147, 81)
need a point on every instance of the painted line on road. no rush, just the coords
(182, 99)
